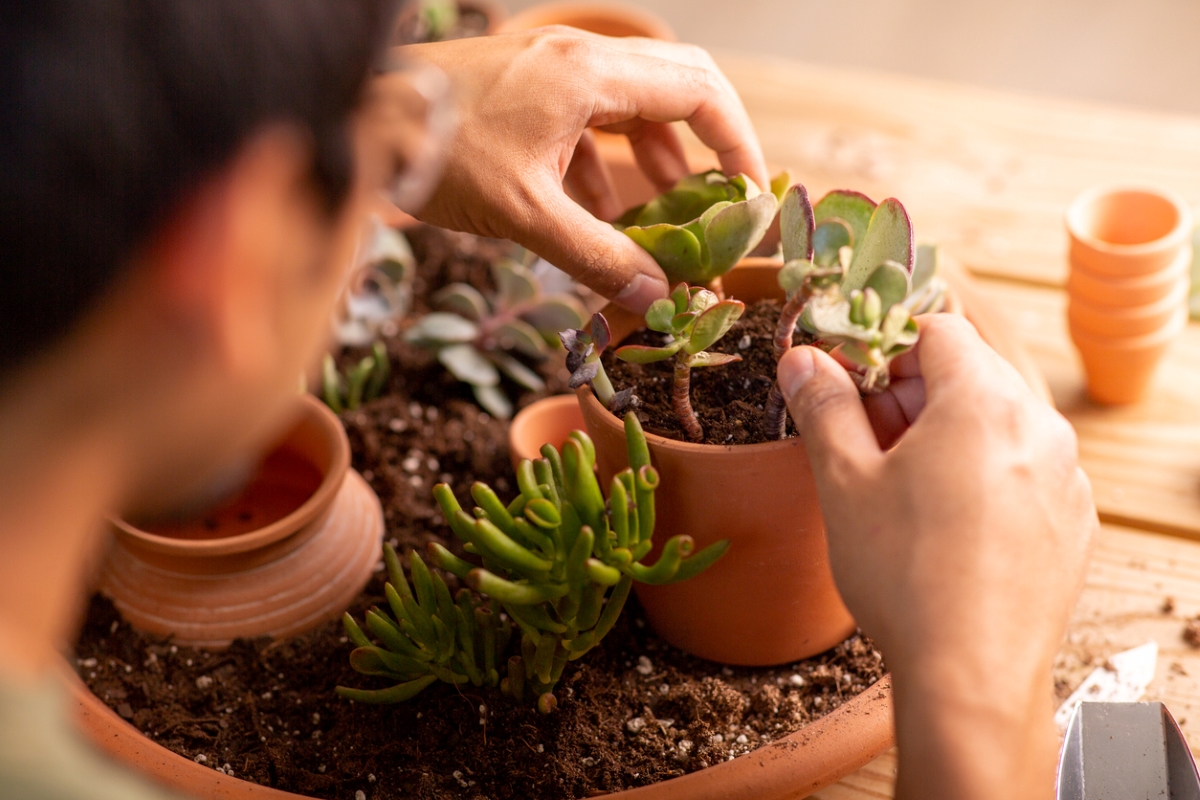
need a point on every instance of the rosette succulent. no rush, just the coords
(475, 337)
(698, 230)
(693, 319)
(853, 280)
(555, 564)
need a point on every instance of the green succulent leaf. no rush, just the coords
(520, 373)
(733, 232)
(641, 354)
(701, 299)
(853, 208)
(712, 360)
(891, 282)
(829, 238)
(681, 322)
(442, 328)
(889, 237)
(515, 284)
(521, 336)
(682, 297)
(796, 223)
(780, 184)
(494, 401)
(555, 313)
(676, 249)
(925, 265)
(464, 300)
(830, 319)
(792, 274)
(658, 317)
(898, 331)
(468, 364)
(713, 324)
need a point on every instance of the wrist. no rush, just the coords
(973, 733)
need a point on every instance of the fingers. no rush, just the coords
(590, 250)
(894, 411)
(588, 181)
(825, 405)
(661, 90)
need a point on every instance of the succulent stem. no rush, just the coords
(775, 412)
(681, 399)
(602, 385)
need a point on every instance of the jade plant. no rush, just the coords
(698, 230)
(362, 382)
(693, 319)
(853, 281)
(584, 348)
(475, 337)
(380, 289)
(555, 565)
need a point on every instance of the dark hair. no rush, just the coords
(112, 111)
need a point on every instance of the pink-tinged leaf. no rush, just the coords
(853, 208)
(679, 322)
(601, 333)
(889, 237)
(712, 360)
(713, 324)
(658, 317)
(681, 295)
(640, 354)
(796, 224)
(829, 238)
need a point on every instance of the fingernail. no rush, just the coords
(795, 368)
(640, 293)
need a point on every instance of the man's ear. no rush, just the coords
(217, 261)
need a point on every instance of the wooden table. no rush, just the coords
(988, 174)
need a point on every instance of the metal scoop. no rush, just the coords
(1126, 751)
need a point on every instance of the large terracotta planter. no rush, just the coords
(290, 552)
(606, 19)
(771, 599)
(788, 769)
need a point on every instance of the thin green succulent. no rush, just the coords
(475, 336)
(854, 280)
(558, 563)
(694, 319)
(698, 230)
(362, 382)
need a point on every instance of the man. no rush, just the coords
(181, 185)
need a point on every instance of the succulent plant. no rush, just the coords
(693, 319)
(558, 561)
(698, 230)
(475, 336)
(436, 19)
(853, 279)
(362, 383)
(584, 348)
(380, 288)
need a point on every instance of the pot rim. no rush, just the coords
(1180, 233)
(114, 735)
(1176, 296)
(1145, 341)
(311, 509)
(652, 25)
(1079, 276)
(553, 404)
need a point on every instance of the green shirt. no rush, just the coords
(43, 757)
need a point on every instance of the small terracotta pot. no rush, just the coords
(546, 421)
(1134, 320)
(792, 767)
(606, 19)
(1120, 369)
(1103, 290)
(290, 552)
(1122, 231)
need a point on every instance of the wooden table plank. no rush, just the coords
(984, 172)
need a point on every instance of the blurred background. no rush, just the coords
(1143, 53)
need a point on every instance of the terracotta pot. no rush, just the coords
(1126, 231)
(1103, 290)
(606, 19)
(291, 551)
(1134, 320)
(788, 769)
(1120, 369)
(771, 599)
(547, 421)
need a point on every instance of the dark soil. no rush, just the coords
(633, 712)
(728, 400)
(471, 22)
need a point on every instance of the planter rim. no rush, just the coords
(654, 26)
(1176, 296)
(1179, 234)
(312, 508)
(529, 416)
(772, 770)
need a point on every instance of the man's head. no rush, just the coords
(178, 195)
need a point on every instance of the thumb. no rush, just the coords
(593, 252)
(825, 405)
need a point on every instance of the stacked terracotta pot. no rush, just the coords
(1130, 259)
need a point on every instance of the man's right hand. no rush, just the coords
(960, 550)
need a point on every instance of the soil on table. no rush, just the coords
(728, 400)
(635, 711)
